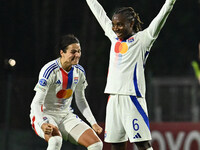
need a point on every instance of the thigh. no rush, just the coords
(67, 124)
(135, 118)
(37, 128)
(114, 130)
(83, 135)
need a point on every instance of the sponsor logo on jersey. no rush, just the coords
(58, 82)
(121, 47)
(75, 80)
(43, 82)
(64, 93)
(137, 136)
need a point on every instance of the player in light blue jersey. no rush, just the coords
(126, 112)
(52, 117)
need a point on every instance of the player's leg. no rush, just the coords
(119, 146)
(85, 136)
(54, 139)
(114, 130)
(78, 132)
(135, 121)
(145, 145)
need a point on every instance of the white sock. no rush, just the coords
(54, 143)
(96, 146)
(150, 148)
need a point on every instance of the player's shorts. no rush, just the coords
(126, 118)
(64, 124)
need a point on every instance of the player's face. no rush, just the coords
(122, 27)
(72, 54)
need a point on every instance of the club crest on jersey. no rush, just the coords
(131, 39)
(75, 80)
(44, 118)
(43, 82)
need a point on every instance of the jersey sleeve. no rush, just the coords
(41, 88)
(45, 79)
(150, 34)
(37, 107)
(83, 106)
(80, 98)
(101, 17)
(82, 84)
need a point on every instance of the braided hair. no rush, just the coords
(130, 15)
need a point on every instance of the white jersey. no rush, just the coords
(58, 87)
(128, 57)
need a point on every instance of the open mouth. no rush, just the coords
(119, 35)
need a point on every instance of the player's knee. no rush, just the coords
(96, 146)
(145, 145)
(55, 142)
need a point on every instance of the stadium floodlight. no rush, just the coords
(11, 62)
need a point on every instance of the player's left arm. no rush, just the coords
(153, 30)
(84, 108)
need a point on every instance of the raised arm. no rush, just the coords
(100, 15)
(156, 25)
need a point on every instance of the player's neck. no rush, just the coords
(65, 65)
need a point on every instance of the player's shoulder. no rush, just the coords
(49, 67)
(79, 68)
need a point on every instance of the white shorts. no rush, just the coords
(64, 124)
(126, 118)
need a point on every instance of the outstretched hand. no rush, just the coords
(97, 128)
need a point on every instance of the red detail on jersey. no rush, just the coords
(61, 94)
(33, 125)
(41, 108)
(108, 98)
(117, 47)
(65, 78)
(108, 72)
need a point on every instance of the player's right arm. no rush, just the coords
(101, 16)
(37, 107)
(41, 89)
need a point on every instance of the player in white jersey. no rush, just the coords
(51, 115)
(126, 112)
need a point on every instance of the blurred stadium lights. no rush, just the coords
(10, 62)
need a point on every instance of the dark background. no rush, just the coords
(29, 30)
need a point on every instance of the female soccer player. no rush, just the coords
(126, 112)
(51, 115)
